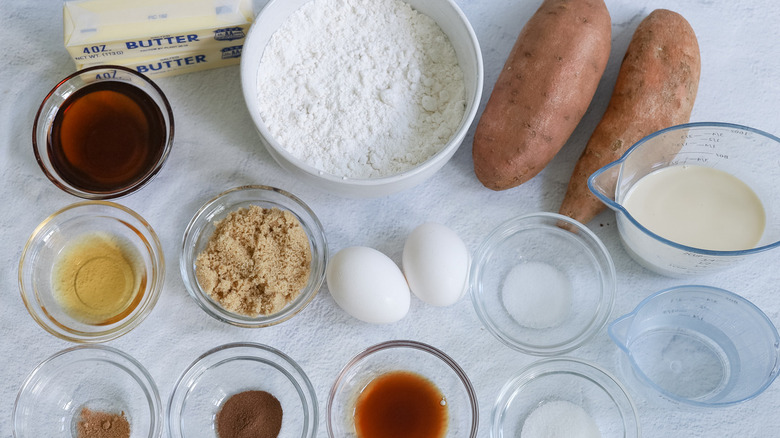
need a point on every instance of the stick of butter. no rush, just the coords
(179, 63)
(110, 31)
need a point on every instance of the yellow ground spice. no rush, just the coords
(256, 262)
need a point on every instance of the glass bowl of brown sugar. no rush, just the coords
(88, 391)
(243, 389)
(91, 272)
(253, 256)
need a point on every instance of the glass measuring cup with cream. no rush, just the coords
(695, 198)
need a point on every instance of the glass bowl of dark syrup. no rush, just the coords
(103, 132)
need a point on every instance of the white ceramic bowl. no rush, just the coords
(451, 20)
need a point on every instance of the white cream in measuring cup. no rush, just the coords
(698, 206)
(695, 198)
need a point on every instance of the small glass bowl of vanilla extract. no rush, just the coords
(91, 272)
(402, 388)
(103, 132)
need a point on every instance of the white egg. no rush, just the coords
(436, 264)
(368, 285)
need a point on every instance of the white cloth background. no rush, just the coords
(217, 148)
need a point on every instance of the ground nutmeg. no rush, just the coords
(99, 424)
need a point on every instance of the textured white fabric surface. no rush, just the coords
(217, 148)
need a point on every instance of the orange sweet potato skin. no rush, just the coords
(655, 89)
(543, 91)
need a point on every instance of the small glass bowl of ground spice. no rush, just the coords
(243, 390)
(402, 389)
(89, 391)
(254, 256)
(91, 272)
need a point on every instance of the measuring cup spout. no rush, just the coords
(618, 330)
(603, 183)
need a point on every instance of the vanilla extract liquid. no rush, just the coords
(401, 404)
(106, 137)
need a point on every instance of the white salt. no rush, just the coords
(560, 419)
(537, 295)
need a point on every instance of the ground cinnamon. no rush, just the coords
(98, 424)
(250, 414)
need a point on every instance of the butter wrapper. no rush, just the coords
(113, 31)
(179, 63)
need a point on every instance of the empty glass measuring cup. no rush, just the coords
(700, 345)
(750, 155)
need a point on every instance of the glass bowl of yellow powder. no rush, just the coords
(88, 391)
(91, 272)
(253, 256)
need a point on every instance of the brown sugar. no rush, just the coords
(98, 424)
(256, 262)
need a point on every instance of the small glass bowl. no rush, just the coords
(97, 378)
(50, 107)
(556, 250)
(202, 225)
(411, 356)
(576, 381)
(233, 368)
(57, 232)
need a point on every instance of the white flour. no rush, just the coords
(361, 88)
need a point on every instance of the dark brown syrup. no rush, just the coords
(106, 137)
(401, 404)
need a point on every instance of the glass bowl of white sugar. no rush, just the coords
(362, 101)
(543, 284)
(564, 397)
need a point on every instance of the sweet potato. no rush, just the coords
(543, 91)
(655, 89)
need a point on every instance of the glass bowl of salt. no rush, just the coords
(543, 284)
(564, 397)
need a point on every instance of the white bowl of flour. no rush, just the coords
(362, 98)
